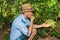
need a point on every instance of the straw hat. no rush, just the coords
(27, 7)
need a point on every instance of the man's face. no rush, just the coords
(29, 14)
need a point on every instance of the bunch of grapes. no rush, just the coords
(51, 22)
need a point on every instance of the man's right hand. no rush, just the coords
(32, 18)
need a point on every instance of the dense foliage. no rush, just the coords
(44, 10)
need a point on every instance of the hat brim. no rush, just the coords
(28, 11)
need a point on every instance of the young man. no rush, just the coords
(22, 26)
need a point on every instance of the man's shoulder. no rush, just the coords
(18, 17)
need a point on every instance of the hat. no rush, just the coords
(27, 7)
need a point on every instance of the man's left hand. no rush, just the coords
(45, 25)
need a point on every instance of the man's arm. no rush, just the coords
(36, 26)
(30, 28)
(31, 25)
(40, 26)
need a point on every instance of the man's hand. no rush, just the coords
(32, 18)
(45, 25)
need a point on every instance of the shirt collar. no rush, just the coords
(23, 18)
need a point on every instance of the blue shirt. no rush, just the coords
(19, 27)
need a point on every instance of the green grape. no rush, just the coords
(51, 23)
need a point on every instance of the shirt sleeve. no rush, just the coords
(28, 22)
(23, 29)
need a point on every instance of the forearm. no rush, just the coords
(37, 26)
(31, 27)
